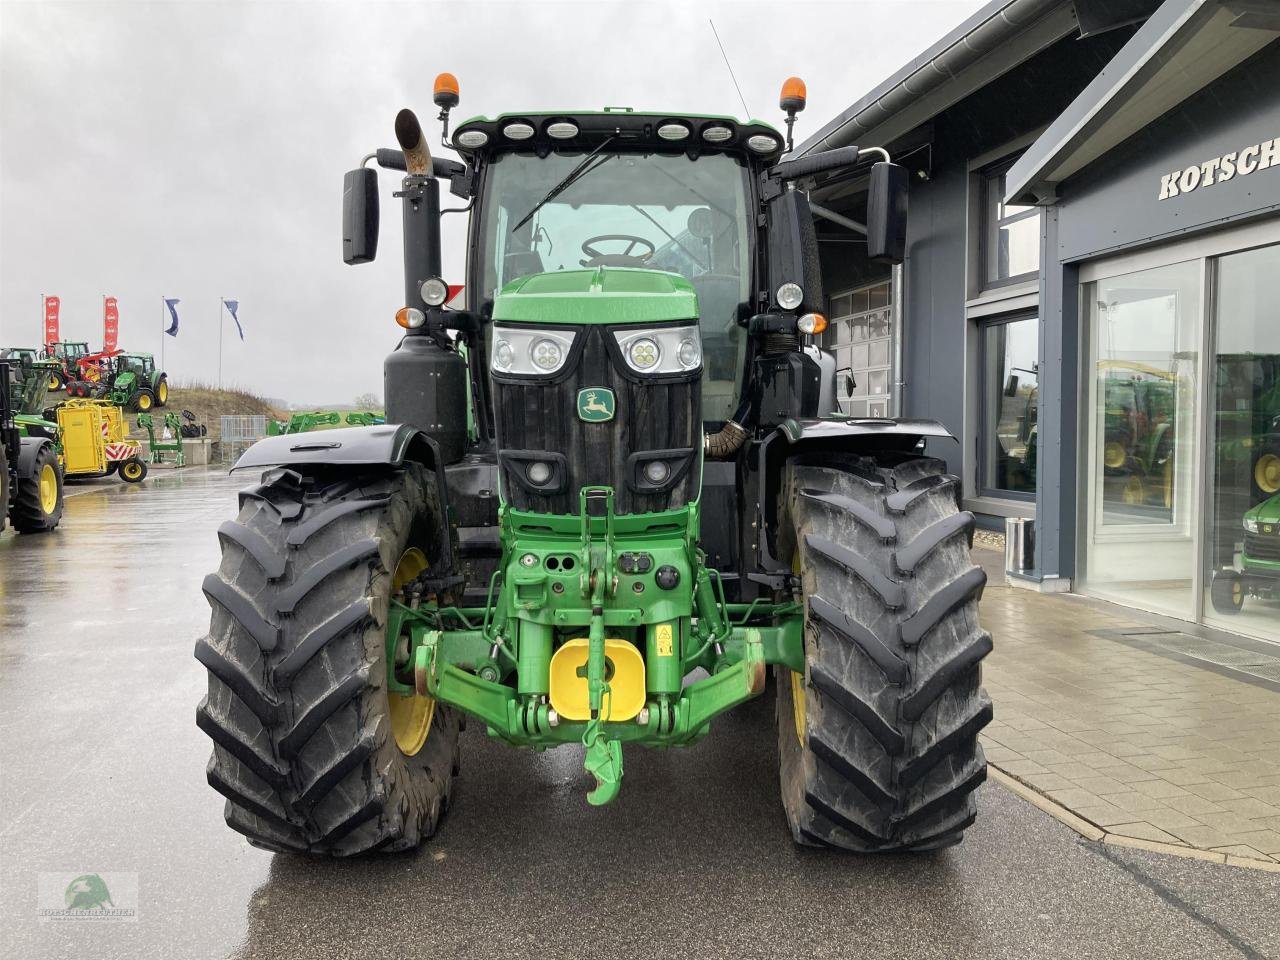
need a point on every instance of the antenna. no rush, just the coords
(746, 110)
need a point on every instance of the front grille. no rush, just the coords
(1260, 546)
(542, 416)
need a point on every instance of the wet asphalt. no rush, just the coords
(102, 770)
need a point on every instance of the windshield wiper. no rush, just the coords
(577, 173)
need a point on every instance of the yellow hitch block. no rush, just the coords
(624, 672)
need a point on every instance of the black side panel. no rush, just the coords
(720, 518)
(537, 415)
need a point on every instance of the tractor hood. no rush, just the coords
(1268, 511)
(602, 295)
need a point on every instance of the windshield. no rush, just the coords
(654, 211)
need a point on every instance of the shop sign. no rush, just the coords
(1237, 163)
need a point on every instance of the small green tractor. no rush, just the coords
(1259, 570)
(30, 475)
(612, 498)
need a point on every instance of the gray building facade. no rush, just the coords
(1091, 296)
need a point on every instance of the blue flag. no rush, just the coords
(232, 307)
(173, 327)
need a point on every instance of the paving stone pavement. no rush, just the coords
(1139, 744)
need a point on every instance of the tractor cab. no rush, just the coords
(68, 351)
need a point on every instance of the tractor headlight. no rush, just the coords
(1251, 524)
(529, 352)
(665, 350)
(643, 354)
(790, 296)
(546, 354)
(434, 291)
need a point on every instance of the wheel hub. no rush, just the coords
(1266, 473)
(411, 716)
(48, 489)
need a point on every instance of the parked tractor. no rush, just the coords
(67, 353)
(30, 476)
(137, 379)
(657, 511)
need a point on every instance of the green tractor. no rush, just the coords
(136, 384)
(30, 475)
(660, 507)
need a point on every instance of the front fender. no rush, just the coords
(866, 435)
(387, 444)
(28, 449)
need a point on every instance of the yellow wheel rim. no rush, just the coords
(48, 489)
(1135, 492)
(411, 716)
(1113, 455)
(1237, 593)
(53, 383)
(162, 391)
(144, 402)
(1266, 473)
(130, 471)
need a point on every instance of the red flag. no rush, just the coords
(51, 307)
(110, 324)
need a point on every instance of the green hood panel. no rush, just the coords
(603, 295)
(1268, 511)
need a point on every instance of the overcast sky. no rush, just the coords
(196, 149)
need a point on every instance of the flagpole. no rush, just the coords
(219, 342)
(162, 331)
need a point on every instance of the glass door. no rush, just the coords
(1141, 425)
(1242, 531)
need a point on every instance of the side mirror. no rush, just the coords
(360, 215)
(1011, 386)
(887, 213)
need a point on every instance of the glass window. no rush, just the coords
(1010, 234)
(1141, 458)
(1010, 406)
(1242, 548)
(661, 211)
(862, 342)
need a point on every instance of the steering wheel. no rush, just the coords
(623, 259)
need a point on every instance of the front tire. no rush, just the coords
(878, 740)
(37, 497)
(307, 750)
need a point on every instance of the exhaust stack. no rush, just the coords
(417, 155)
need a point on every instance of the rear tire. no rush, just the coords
(37, 498)
(878, 741)
(305, 747)
(162, 391)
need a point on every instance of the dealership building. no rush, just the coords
(1091, 294)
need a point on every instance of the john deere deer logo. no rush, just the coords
(87, 892)
(595, 404)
